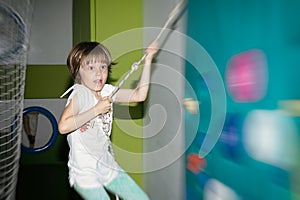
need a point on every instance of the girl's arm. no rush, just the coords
(71, 119)
(140, 93)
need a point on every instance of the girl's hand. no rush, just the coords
(103, 105)
(151, 50)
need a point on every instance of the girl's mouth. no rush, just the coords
(98, 81)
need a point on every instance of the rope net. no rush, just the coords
(14, 23)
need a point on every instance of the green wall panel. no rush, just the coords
(46, 81)
(81, 21)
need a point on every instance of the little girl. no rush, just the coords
(87, 118)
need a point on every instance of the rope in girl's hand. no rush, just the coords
(179, 7)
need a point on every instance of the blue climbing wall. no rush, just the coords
(255, 153)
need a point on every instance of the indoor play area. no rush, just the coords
(221, 121)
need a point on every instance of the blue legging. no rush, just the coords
(123, 186)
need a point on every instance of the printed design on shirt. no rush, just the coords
(106, 121)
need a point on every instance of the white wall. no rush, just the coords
(163, 122)
(51, 32)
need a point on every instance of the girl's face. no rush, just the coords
(94, 75)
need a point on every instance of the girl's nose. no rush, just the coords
(98, 71)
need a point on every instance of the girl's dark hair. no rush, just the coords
(85, 53)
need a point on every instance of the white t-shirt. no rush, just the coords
(91, 164)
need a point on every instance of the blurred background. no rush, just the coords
(255, 45)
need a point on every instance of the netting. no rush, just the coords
(14, 25)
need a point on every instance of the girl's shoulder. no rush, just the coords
(81, 90)
(74, 89)
(82, 93)
(107, 89)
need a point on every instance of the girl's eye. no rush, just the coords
(91, 68)
(104, 67)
